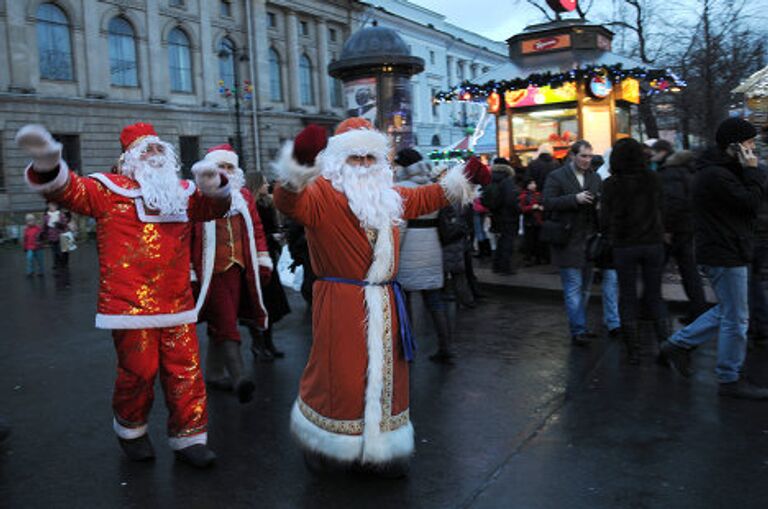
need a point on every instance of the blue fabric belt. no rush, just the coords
(406, 335)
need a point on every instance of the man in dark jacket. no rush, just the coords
(758, 278)
(505, 212)
(571, 194)
(542, 165)
(727, 193)
(676, 172)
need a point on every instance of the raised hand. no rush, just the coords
(36, 141)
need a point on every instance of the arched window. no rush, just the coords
(180, 61)
(305, 81)
(227, 62)
(435, 140)
(53, 44)
(122, 53)
(275, 77)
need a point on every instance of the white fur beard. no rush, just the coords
(158, 177)
(370, 192)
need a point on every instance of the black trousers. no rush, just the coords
(505, 246)
(681, 250)
(648, 261)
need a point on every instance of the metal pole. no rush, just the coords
(238, 131)
(255, 97)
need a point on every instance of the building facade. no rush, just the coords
(197, 69)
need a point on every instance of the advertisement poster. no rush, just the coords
(536, 96)
(360, 98)
(395, 100)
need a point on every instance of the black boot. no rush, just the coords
(215, 369)
(233, 358)
(662, 330)
(5, 430)
(270, 346)
(197, 455)
(138, 449)
(443, 329)
(259, 347)
(631, 341)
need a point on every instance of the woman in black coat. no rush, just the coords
(631, 217)
(274, 296)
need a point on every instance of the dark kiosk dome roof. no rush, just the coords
(374, 40)
(371, 48)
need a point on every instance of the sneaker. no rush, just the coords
(742, 389)
(197, 455)
(138, 449)
(677, 358)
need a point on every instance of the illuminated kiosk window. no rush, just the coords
(557, 126)
(502, 136)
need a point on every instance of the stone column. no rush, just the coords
(260, 51)
(475, 70)
(97, 70)
(449, 70)
(159, 78)
(209, 56)
(322, 65)
(22, 43)
(463, 74)
(292, 43)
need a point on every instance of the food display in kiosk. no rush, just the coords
(557, 126)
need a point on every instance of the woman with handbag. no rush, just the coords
(631, 217)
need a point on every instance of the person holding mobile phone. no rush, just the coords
(570, 199)
(727, 193)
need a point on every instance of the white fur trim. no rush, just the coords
(145, 321)
(61, 179)
(141, 211)
(178, 443)
(390, 446)
(133, 193)
(128, 433)
(294, 176)
(344, 448)
(223, 156)
(209, 258)
(243, 209)
(265, 261)
(456, 186)
(357, 142)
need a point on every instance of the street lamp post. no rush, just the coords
(225, 53)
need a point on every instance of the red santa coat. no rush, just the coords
(143, 258)
(252, 309)
(353, 395)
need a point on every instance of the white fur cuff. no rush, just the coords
(456, 186)
(294, 176)
(128, 433)
(178, 443)
(31, 176)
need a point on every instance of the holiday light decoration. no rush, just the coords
(659, 81)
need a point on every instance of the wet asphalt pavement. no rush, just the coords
(521, 421)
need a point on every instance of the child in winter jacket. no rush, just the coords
(33, 246)
(533, 217)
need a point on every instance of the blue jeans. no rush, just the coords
(34, 258)
(576, 284)
(728, 321)
(611, 299)
(480, 234)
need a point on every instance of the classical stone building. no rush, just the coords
(86, 68)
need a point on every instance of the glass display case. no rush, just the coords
(556, 126)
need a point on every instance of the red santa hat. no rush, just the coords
(356, 136)
(223, 153)
(134, 133)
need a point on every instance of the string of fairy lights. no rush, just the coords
(658, 81)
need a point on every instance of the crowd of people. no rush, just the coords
(373, 235)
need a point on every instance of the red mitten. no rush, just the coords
(476, 172)
(265, 274)
(309, 143)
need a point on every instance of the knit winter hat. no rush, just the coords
(407, 157)
(734, 130)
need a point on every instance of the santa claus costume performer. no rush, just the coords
(352, 408)
(144, 216)
(240, 265)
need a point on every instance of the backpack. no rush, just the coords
(492, 196)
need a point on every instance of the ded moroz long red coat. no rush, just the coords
(353, 396)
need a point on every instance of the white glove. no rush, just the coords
(36, 141)
(207, 176)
